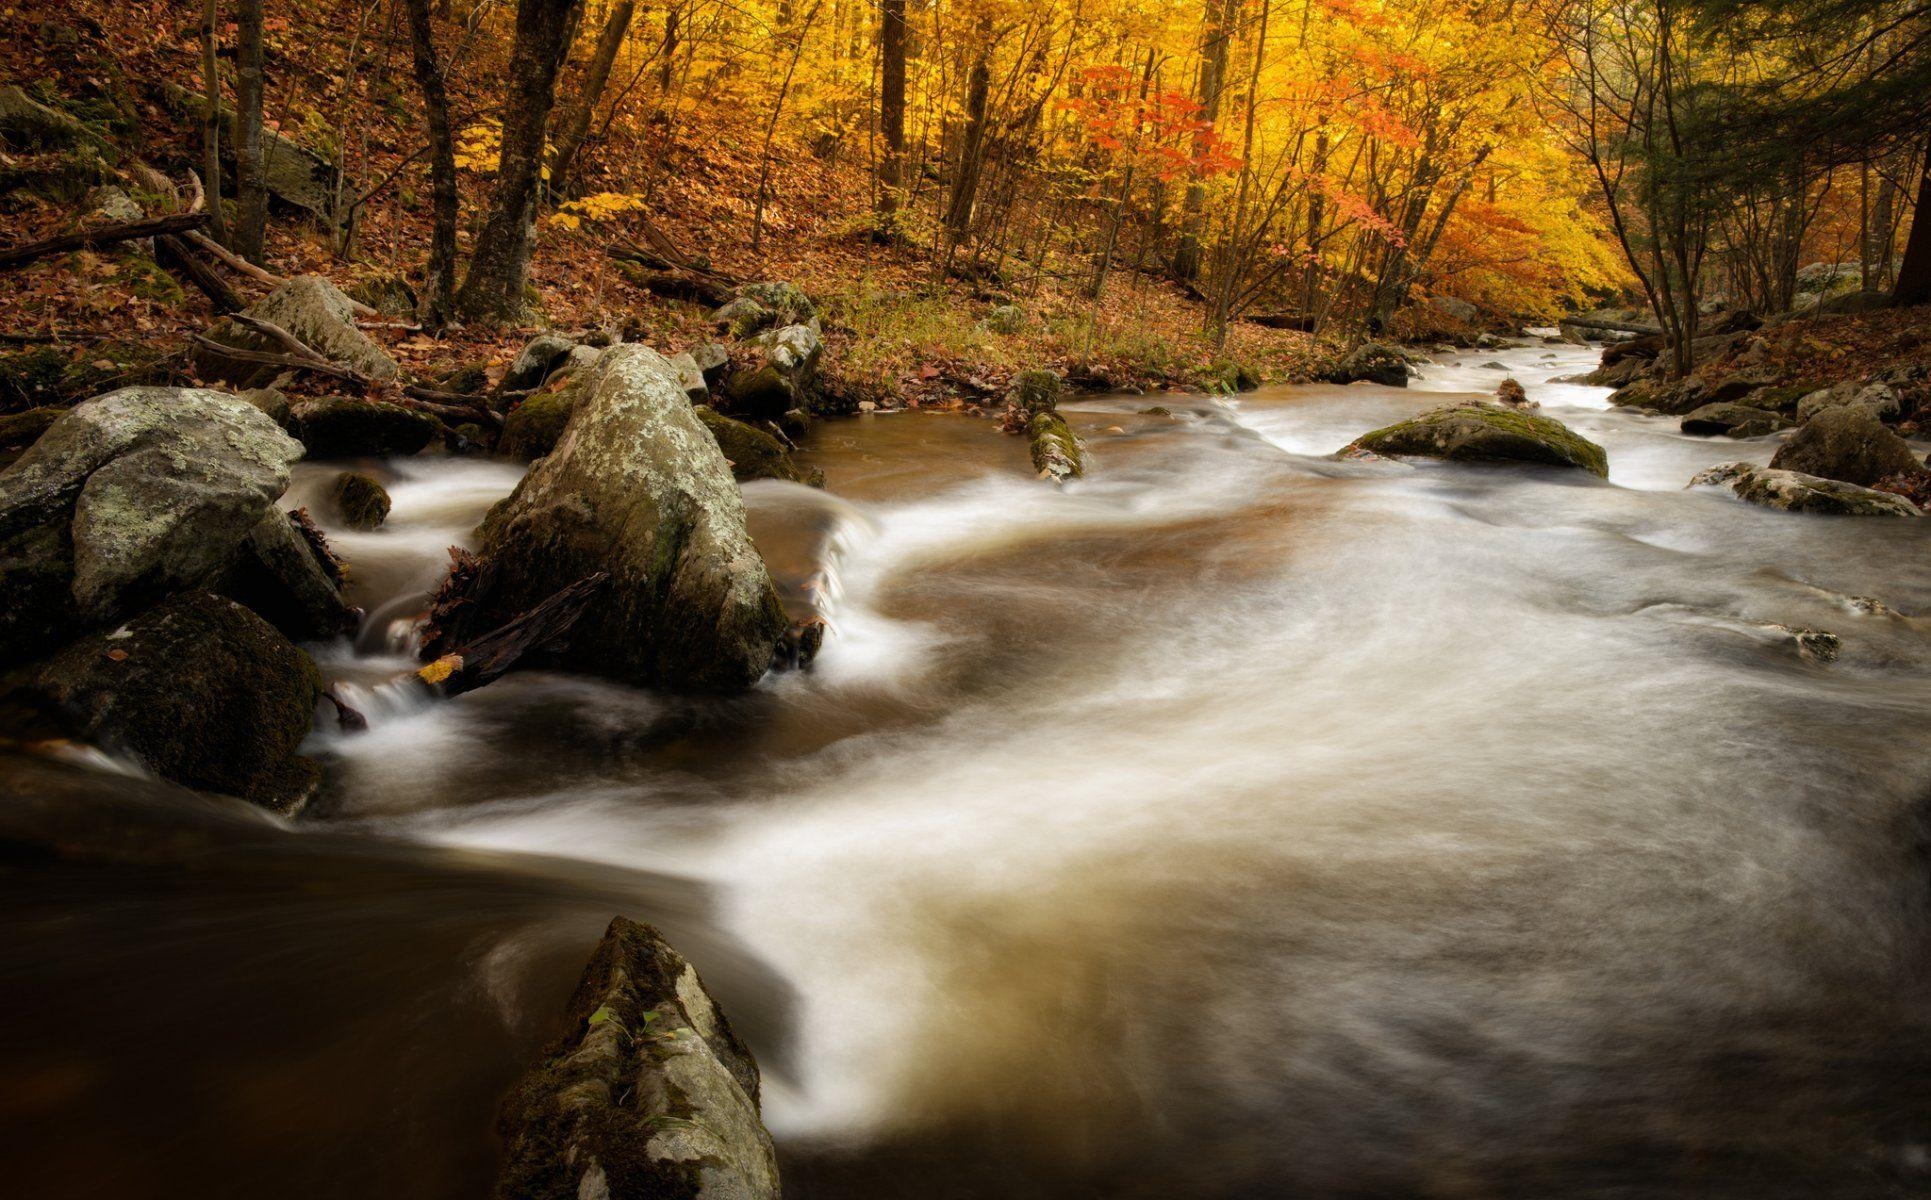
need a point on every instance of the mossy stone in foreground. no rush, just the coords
(533, 427)
(201, 690)
(752, 453)
(1485, 433)
(1057, 453)
(362, 502)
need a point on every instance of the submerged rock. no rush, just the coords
(345, 427)
(126, 498)
(1486, 433)
(637, 488)
(752, 453)
(1793, 491)
(316, 312)
(1850, 444)
(1733, 420)
(359, 500)
(647, 1095)
(200, 690)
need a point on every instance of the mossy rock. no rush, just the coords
(1230, 376)
(65, 178)
(359, 500)
(1371, 362)
(26, 124)
(534, 426)
(201, 691)
(20, 429)
(1056, 453)
(342, 427)
(786, 302)
(1036, 391)
(467, 381)
(1487, 434)
(752, 453)
(1158, 410)
(766, 393)
(32, 377)
(1006, 319)
(387, 293)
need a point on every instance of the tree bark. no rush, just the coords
(1217, 20)
(576, 119)
(500, 267)
(965, 185)
(211, 119)
(251, 184)
(891, 109)
(439, 283)
(1914, 271)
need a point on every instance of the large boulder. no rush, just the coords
(543, 354)
(752, 453)
(647, 1095)
(316, 312)
(1793, 491)
(637, 489)
(1848, 444)
(1733, 420)
(1372, 362)
(199, 690)
(1486, 433)
(346, 427)
(1876, 395)
(286, 573)
(126, 498)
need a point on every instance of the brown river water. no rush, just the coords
(1236, 822)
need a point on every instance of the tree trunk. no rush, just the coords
(211, 120)
(965, 185)
(1216, 20)
(666, 70)
(576, 120)
(439, 283)
(891, 109)
(500, 268)
(1914, 272)
(251, 184)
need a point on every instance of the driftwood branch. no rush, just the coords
(488, 657)
(106, 235)
(175, 257)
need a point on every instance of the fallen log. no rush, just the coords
(1601, 326)
(487, 658)
(174, 257)
(676, 285)
(106, 235)
(1299, 322)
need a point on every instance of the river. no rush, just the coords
(1236, 822)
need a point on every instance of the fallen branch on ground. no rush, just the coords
(106, 235)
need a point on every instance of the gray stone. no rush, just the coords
(1850, 444)
(636, 488)
(1733, 420)
(316, 312)
(1372, 362)
(533, 364)
(712, 359)
(1794, 491)
(691, 378)
(1877, 396)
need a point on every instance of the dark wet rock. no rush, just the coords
(1876, 395)
(647, 1095)
(26, 124)
(345, 427)
(22, 428)
(787, 377)
(316, 312)
(752, 453)
(1794, 491)
(764, 392)
(126, 498)
(273, 404)
(1733, 420)
(1848, 444)
(1035, 391)
(534, 425)
(1512, 394)
(1676, 398)
(1158, 410)
(1486, 433)
(638, 489)
(1373, 362)
(1619, 374)
(1056, 453)
(359, 500)
(285, 572)
(543, 354)
(1732, 388)
(200, 690)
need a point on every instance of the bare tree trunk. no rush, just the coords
(891, 109)
(1914, 272)
(500, 267)
(666, 71)
(965, 185)
(251, 184)
(439, 284)
(576, 119)
(211, 120)
(1217, 20)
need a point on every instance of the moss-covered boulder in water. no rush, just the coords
(637, 489)
(359, 500)
(647, 1095)
(344, 427)
(1489, 434)
(1036, 391)
(1056, 453)
(1793, 491)
(752, 453)
(1849, 444)
(200, 690)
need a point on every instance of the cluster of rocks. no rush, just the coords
(1032, 409)
(1844, 460)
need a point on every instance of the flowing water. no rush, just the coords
(1236, 822)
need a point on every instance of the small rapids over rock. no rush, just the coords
(1234, 821)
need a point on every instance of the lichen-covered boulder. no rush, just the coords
(786, 302)
(359, 500)
(1733, 420)
(344, 427)
(741, 317)
(1793, 491)
(637, 488)
(647, 1095)
(752, 453)
(127, 497)
(200, 690)
(316, 312)
(1056, 453)
(1489, 434)
(1372, 362)
(1848, 444)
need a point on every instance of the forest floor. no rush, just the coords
(897, 331)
